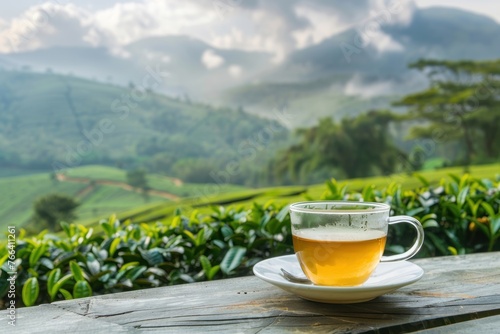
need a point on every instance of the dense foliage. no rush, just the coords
(51, 209)
(461, 106)
(126, 256)
(460, 215)
(326, 149)
(125, 127)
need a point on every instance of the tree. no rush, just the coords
(52, 209)
(462, 104)
(355, 147)
(137, 179)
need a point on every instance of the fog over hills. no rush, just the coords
(365, 61)
(364, 66)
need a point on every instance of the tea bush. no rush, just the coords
(127, 256)
(460, 215)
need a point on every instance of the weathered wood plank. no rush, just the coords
(453, 290)
(490, 325)
(52, 319)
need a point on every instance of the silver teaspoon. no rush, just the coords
(292, 278)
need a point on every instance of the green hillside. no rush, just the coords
(52, 121)
(99, 189)
(288, 194)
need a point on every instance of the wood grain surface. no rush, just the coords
(459, 294)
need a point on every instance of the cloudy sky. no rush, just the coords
(276, 26)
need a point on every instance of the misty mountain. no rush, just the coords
(439, 33)
(336, 77)
(181, 56)
(357, 70)
(53, 121)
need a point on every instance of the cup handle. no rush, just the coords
(416, 246)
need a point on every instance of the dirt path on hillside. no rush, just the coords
(123, 185)
(85, 191)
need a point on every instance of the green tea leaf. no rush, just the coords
(66, 294)
(462, 196)
(430, 223)
(54, 276)
(367, 193)
(495, 225)
(3, 259)
(153, 256)
(453, 250)
(473, 206)
(226, 231)
(136, 272)
(129, 265)
(114, 246)
(92, 264)
(82, 289)
(282, 214)
(32, 272)
(232, 259)
(200, 238)
(107, 228)
(463, 181)
(156, 271)
(58, 285)
(212, 272)
(30, 291)
(332, 186)
(190, 235)
(488, 208)
(77, 271)
(205, 264)
(483, 228)
(36, 254)
(46, 263)
(66, 229)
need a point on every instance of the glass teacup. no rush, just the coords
(340, 243)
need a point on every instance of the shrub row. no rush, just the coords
(127, 256)
(460, 215)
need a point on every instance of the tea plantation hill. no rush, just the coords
(209, 196)
(49, 120)
(100, 190)
(333, 77)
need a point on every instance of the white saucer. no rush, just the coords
(388, 276)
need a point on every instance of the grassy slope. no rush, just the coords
(19, 192)
(48, 118)
(285, 195)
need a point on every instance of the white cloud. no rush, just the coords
(489, 8)
(52, 24)
(235, 70)
(277, 27)
(45, 25)
(211, 60)
(130, 21)
(381, 41)
(357, 87)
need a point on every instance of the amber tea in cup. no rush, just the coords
(340, 243)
